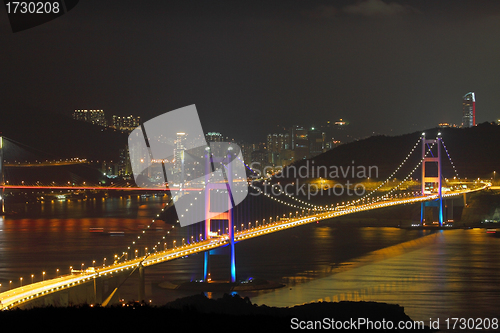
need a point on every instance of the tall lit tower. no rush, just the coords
(179, 150)
(1, 161)
(469, 110)
(434, 181)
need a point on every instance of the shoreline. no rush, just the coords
(220, 286)
(199, 312)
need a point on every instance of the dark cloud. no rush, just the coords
(379, 8)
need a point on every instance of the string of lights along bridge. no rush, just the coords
(257, 215)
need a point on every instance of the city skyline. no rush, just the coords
(467, 119)
(280, 148)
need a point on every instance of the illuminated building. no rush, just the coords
(95, 117)
(127, 123)
(444, 125)
(124, 165)
(277, 142)
(300, 143)
(214, 137)
(336, 132)
(341, 122)
(316, 139)
(278, 149)
(469, 110)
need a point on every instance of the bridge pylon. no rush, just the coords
(433, 181)
(217, 210)
(2, 182)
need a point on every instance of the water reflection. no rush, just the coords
(55, 235)
(448, 274)
(453, 273)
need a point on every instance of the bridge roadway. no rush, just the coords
(24, 294)
(93, 188)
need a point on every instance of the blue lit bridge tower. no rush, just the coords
(219, 207)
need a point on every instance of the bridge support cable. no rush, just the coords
(448, 204)
(140, 268)
(404, 179)
(283, 192)
(449, 158)
(326, 208)
(396, 170)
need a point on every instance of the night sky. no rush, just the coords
(388, 67)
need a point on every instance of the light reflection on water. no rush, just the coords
(453, 273)
(449, 274)
(55, 235)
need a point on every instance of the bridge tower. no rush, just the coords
(217, 212)
(2, 182)
(434, 181)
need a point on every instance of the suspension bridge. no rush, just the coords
(221, 230)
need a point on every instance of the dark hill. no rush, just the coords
(47, 135)
(50, 135)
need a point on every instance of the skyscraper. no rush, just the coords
(127, 123)
(469, 110)
(179, 150)
(300, 143)
(95, 117)
(316, 140)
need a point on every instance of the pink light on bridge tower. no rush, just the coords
(2, 202)
(469, 110)
(434, 182)
(473, 110)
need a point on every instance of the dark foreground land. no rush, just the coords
(190, 314)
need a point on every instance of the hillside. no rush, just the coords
(473, 151)
(197, 312)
